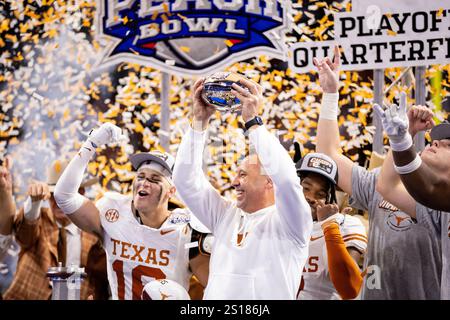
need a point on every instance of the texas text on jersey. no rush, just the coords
(137, 253)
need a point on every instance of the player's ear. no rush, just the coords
(172, 191)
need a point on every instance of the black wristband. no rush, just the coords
(256, 120)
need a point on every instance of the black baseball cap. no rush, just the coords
(441, 131)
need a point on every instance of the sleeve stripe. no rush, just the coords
(354, 235)
(356, 238)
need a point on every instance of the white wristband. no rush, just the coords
(410, 167)
(329, 108)
(32, 210)
(337, 217)
(402, 145)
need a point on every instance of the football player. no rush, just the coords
(420, 118)
(143, 240)
(397, 246)
(337, 241)
(426, 178)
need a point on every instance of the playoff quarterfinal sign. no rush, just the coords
(414, 33)
(191, 37)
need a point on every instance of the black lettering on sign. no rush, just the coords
(396, 47)
(420, 21)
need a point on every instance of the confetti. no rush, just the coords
(51, 97)
(228, 43)
(37, 96)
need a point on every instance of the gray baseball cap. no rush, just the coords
(164, 159)
(441, 131)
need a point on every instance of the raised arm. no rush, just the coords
(8, 208)
(389, 185)
(78, 208)
(26, 226)
(342, 257)
(427, 186)
(294, 210)
(328, 136)
(192, 185)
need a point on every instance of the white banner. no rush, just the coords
(385, 6)
(416, 37)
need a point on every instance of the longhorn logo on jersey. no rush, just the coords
(195, 36)
(399, 221)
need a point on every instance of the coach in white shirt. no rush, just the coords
(261, 241)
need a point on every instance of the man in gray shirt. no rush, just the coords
(403, 258)
(440, 224)
(392, 188)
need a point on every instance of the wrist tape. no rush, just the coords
(329, 108)
(410, 167)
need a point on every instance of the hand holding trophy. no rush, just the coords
(225, 92)
(217, 91)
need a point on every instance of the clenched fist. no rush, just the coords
(106, 134)
(420, 119)
(38, 191)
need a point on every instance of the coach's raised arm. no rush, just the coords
(270, 218)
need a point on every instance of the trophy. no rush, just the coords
(217, 91)
(66, 282)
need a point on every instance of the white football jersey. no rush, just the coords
(138, 254)
(316, 283)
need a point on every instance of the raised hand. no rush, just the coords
(420, 119)
(106, 134)
(201, 111)
(5, 177)
(325, 211)
(251, 99)
(395, 123)
(38, 191)
(7, 206)
(329, 72)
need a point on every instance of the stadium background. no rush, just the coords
(51, 95)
